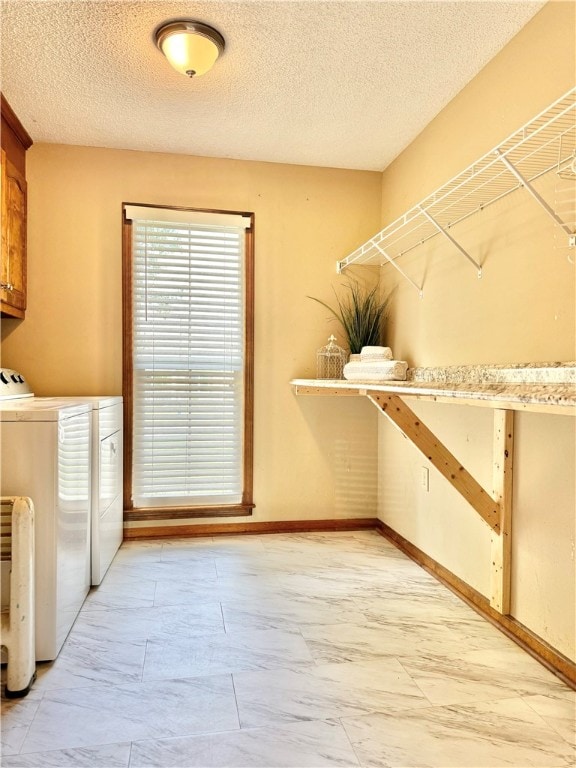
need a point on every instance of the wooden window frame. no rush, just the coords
(245, 507)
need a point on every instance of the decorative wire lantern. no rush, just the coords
(330, 360)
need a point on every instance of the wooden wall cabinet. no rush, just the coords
(15, 142)
(13, 271)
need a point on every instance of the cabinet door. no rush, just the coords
(13, 268)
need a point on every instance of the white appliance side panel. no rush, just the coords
(73, 498)
(110, 534)
(50, 462)
(107, 489)
(110, 419)
(110, 482)
(29, 454)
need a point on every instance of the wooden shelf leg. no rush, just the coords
(502, 480)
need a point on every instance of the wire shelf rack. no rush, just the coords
(546, 143)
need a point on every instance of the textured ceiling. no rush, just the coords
(342, 84)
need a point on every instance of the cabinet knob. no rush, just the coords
(6, 286)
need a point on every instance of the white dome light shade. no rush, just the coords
(191, 47)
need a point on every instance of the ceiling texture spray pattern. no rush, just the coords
(342, 84)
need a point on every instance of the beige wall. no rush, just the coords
(522, 310)
(305, 219)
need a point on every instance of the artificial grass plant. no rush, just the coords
(361, 313)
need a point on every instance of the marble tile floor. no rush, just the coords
(292, 650)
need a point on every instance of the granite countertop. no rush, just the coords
(533, 386)
(518, 373)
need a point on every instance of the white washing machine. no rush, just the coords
(107, 483)
(46, 447)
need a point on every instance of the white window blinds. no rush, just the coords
(188, 357)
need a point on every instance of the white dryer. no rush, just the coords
(46, 448)
(107, 482)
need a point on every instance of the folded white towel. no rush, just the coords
(376, 370)
(375, 353)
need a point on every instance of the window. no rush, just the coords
(188, 348)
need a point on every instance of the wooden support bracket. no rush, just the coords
(502, 481)
(441, 458)
(299, 389)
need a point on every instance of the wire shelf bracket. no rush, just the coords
(545, 143)
(393, 263)
(535, 194)
(449, 237)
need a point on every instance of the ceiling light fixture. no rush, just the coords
(190, 46)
